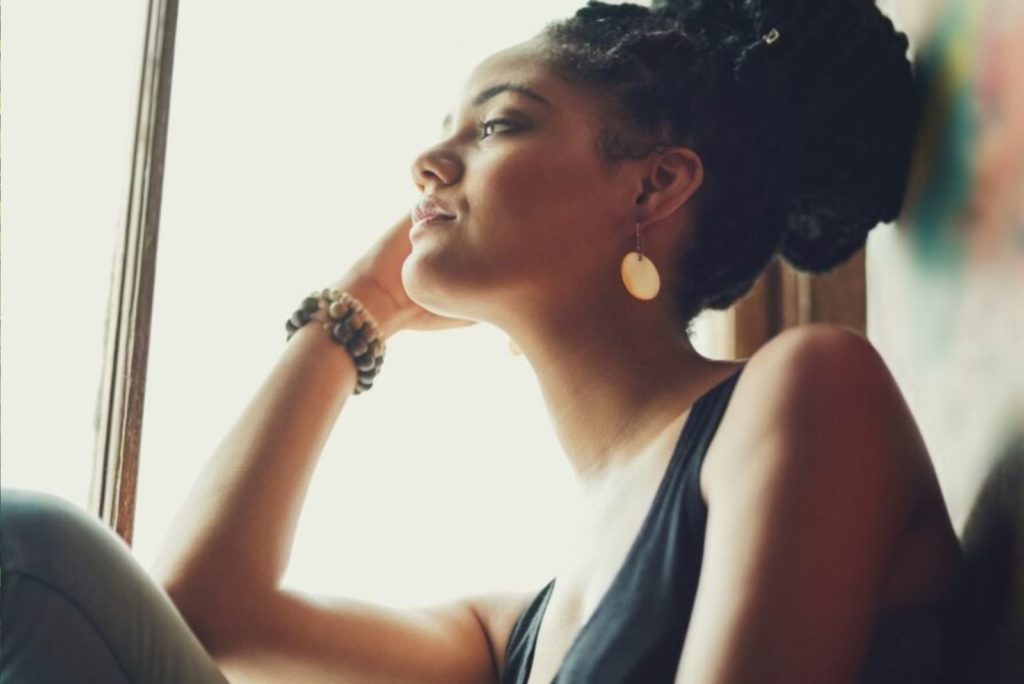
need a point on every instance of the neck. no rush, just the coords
(613, 377)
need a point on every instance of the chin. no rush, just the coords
(425, 289)
(443, 292)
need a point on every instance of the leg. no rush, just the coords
(76, 606)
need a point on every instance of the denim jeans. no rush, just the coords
(76, 605)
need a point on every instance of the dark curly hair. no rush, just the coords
(805, 132)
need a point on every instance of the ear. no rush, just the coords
(671, 179)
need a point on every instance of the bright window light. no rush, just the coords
(291, 137)
(70, 88)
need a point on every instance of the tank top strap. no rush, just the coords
(651, 596)
(708, 412)
(522, 641)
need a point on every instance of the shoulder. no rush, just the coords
(818, 474)
(814, 398)
(825, 376)
(817, 371)
(817, 357)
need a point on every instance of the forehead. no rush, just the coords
(514, 68)
(522, 61)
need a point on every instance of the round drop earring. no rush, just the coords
(639, 274)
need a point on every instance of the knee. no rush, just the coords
(41, 534)
(24, 509)
(71, 579)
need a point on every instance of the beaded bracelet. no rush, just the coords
(349, 324)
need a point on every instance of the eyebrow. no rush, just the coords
(487, 93)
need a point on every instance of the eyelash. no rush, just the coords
(483, 124)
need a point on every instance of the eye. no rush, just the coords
(483, 125)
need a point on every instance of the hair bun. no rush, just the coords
(832, 95)
(804, 113)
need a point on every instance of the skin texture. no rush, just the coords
(542, 227)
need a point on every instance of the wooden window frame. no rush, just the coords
(130, 307)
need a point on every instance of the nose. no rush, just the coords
(433, 167)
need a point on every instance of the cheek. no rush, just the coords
(530, 197)
(512, 193)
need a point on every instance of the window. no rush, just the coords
(70, 83)
(285, 160)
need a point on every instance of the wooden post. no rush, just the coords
(129, 310)
(783, 298)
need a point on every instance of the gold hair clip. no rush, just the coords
(771, 36)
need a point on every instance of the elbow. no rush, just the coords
(212, 615)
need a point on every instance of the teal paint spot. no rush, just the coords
(934, 219)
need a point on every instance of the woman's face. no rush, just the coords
(539, 216)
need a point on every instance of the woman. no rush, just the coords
(775, 519)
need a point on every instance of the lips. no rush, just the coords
(427, 225)
(428, 208)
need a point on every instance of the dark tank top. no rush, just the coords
(636, 632)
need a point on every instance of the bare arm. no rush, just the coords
(224, 558)
(238, 521)
(805, 516)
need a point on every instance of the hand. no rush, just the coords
(376, 280)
